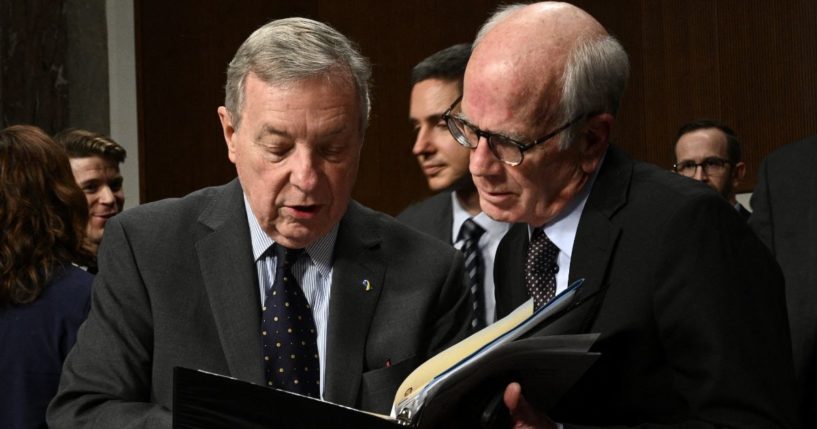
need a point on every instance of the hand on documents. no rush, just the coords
(523, 415)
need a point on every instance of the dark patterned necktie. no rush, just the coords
(541, 268)
(288, 331)
(470, 233)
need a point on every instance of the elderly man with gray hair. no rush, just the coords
(688, 303)
(278, 277)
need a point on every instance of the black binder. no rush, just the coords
(205, 400)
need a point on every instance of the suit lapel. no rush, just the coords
(444, 227)
(592, 249)
(225, 257)
(596, 238)
(509, 268)
(357, 266)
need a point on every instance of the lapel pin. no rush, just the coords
(367, 285)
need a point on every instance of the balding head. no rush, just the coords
(549, 77)
(551, 60)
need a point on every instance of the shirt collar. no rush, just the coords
(320, 252)
(492, 228)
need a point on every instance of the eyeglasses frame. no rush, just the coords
(448, 118)
(700, 164)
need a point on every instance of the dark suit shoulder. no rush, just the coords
(171, 214)
(396, 233)
(432, 216)
(647, 192)
(423, 210)
(798, 152)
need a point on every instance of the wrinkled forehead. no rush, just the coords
(511, 84)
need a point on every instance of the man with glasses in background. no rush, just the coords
(688, 303)
(709, 152)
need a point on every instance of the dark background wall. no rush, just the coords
(750, 63)
(54, 64)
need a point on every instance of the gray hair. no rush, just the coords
(502, 12)
(293, 49)
(593, 80)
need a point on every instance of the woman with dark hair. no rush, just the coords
(43, 296)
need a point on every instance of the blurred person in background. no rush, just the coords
(95, 160)
(44, 297)
(714, 147)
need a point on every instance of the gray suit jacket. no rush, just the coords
(433, 216)
(177, 287)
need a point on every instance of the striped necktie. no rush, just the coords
(470, 233)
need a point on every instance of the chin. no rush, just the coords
(498, 214)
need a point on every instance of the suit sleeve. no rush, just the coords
(719, 314)
(106, 378)
(761, 219)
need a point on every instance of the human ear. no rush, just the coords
(595, 140)
(229, 131)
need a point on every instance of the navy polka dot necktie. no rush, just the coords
(541, 268)
(470, 233)
(288, 331)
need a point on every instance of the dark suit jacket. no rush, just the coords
(34, 340)
(785, 218)
(177, 287)
(743, 212)
(433, 216)
(688, 302)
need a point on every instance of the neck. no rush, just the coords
(469, 200)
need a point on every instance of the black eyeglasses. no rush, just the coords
(504, 148)
(712, 166)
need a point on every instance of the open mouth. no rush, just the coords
(305, 211)
(309, 209)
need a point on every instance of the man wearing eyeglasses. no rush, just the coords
(709, 152)
(688, 303)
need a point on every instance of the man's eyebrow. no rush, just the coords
(271, 130)
(508, 136)
(91, 181)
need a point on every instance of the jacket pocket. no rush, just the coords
(378, 386)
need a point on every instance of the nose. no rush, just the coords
(422, 144)
(106, 196)
(304, 174)
(483, 162)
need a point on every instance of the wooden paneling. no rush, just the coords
(749, 63)
(33, 83)
(680, 71)
(768, 76)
